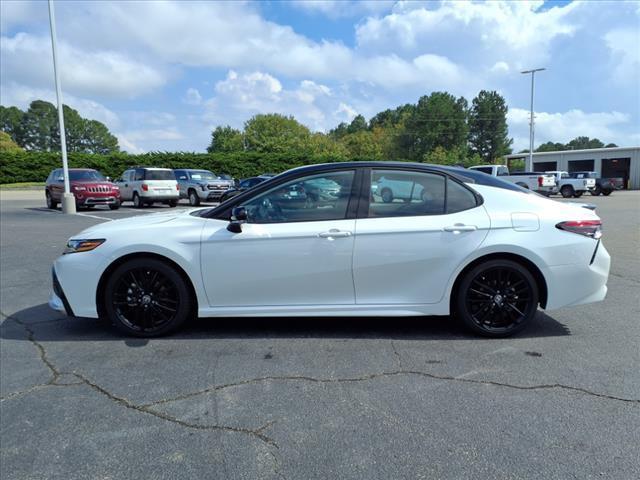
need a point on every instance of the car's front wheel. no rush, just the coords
(194, 200)
(497, 298)
(567, 191)
(147, 297)
(51, 203)
(137, 202)
(596, 191)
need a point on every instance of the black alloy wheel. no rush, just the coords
(497, 298)
(147, 298)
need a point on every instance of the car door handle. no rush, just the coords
(459, 227)
(334, 233)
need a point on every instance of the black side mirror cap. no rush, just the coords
(238, 217)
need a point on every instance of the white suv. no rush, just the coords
(144, 186)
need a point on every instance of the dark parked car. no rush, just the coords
(244, 185)
(89, 187)
(604, 186)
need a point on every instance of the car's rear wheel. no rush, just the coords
(51, 203)
(596, 191)
(147, 297)
(566, 191)
(497, 298)
(137, 203)
(194, 200)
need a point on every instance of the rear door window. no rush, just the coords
(401, 193)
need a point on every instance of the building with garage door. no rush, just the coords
(616, 162)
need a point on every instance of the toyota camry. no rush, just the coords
(343, 239)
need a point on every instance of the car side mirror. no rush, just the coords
(238, 217)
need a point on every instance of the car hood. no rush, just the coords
(138, 222)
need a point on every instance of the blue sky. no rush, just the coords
(161, 75)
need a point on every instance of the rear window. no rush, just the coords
(480, 178)
(159, 175)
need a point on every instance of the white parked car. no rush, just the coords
(569, 186)
(543, 183)
(482, 249)
(145, 186)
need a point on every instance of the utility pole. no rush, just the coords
(529, 166)
(68, 199)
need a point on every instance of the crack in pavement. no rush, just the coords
(55, 375)
(372, 376)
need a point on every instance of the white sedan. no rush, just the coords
(472, 245)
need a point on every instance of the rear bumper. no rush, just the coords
(570, 285)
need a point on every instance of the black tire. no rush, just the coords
(566, 191)
(147, 297)
(114, 206)
(578, 194)
(596, 191)
(194, 199)
(172, 203)
(387, 195)
(606, 193)
(137, 202)
(497, 298)
(51, 203)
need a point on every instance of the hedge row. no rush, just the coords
(35, 166)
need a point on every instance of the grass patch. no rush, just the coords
(9, 186)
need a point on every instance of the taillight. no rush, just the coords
(588, 228)
(177, 187)
(145, 187)
(540, 180)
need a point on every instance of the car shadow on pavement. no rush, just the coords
(50, 326)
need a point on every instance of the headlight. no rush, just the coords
(203, 186)
(76, 246)
(115, 187)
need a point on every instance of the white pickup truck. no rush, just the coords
(538, 182)
(571, 187)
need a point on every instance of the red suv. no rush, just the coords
(89, 187)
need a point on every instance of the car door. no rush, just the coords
(406, 250)
(125, 186)
(182, 177)
(291, 251)
(57, 186)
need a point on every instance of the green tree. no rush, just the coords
(7, 144)
(439, 120)
(583, 143)
(276, 133)
(340, 131)
(226, 139)
(10, 120)
(550, 147)
(98, 139)
(488, 130)
(321, 144)
(362, 145)
(38, 126)
(358, 124)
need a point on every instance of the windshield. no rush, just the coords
(86, 176)
(159, 175)
(203, 175)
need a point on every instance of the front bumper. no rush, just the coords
(97, 201)
(57, 299)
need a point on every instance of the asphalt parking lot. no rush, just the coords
(313, 398)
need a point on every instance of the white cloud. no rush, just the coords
(609, 127)
(517, 31)
(127, 145)
(624, 44)
(193, 97)
(342, 8)
(21, 96)
(27, 58)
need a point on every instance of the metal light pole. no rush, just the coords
(529, 166)
(68, 200)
